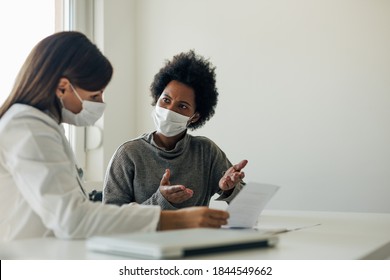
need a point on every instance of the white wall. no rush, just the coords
(115, 35)
(304, 90)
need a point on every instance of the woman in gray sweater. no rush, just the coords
(194, 168)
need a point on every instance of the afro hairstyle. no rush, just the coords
(196, 72)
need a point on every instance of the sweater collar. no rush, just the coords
(180, 147)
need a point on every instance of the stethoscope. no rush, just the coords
(80, 174)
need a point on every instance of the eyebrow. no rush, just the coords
(97, 92)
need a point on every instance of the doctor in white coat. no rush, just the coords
(41, 194)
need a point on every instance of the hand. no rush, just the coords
(232, 176)
(192, 217)
(175, 193)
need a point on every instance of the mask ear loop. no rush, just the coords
(190, 119)
(76, 93)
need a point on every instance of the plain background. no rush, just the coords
(304, 89)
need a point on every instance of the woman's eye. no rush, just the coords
(97, 97)
(165, 100)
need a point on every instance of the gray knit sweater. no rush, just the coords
(136, 168)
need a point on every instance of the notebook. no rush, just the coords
(175, 244)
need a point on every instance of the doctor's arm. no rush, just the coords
(45, 174)
(192, 217)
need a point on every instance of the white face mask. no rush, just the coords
(89, 114)
(169, 123)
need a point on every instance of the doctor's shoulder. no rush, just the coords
(25, 114)
(25, 129)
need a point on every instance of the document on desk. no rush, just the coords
(245, 208)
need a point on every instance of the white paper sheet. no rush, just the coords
(246, 207)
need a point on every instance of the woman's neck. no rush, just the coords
(168, 143)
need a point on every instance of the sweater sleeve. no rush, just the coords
(220, 164)
(228, 196)
(158, 199)
(118, 181)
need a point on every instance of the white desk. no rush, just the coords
(340, 236)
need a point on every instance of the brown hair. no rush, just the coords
(67, 54)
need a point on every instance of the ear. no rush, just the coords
(63, 85)
(195, 118)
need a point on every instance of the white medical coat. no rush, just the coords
(39, 191)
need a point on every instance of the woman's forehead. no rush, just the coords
(179, 92)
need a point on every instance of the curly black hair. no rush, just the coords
(196, 72)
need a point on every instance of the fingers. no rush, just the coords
(165, 179)
(226, 183)
(233, 176)
(240, 165)
(230, 179)
(176, 193)
(179, 197)
(193, 217)
(206, 217)
(214, 218)
(218, 214)
(173, 189)
(236, 176)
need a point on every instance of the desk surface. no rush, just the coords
(339, 236)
